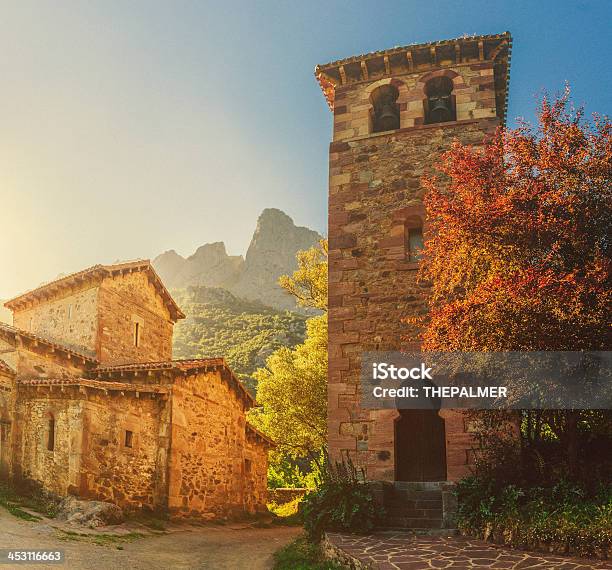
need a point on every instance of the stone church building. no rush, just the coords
(92, 404)
(394, 113)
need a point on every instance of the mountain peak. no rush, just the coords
(271, 254)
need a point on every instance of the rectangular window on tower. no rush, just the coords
(51, 435)
(414, 243)
(136, 334)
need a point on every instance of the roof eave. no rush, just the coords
(325, 73)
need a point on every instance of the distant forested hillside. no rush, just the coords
(244, 332)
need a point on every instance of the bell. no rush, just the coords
(388, 118)
(440, 109)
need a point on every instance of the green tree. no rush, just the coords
(308, 284)
(292, 388)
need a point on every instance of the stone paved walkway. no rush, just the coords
(405, 551)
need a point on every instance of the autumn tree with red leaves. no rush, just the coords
(518, 248)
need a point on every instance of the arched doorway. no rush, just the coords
(420, 446)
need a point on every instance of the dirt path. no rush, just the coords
(226, 547)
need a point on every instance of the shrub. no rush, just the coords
(564, 517)
(302, 555)
(342, 501)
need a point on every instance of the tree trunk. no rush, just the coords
(571, 432)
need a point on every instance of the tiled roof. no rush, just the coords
(399, 49)
(95, 272)
(175, 366)
(340, 72)
(4, 367)
(181, 365)
(98, 384)
(11, 333)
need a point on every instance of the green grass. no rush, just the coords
(100, 539)
(302, 555)
(13, 502)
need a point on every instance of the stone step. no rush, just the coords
(409, 504)
(414, 513)
(420, 485)
(414, 495)
(412, 523)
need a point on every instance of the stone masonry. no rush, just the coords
(92, 405)
(375, 201)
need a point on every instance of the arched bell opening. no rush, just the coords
(439, 102)
(385, 115)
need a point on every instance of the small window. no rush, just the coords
(247, 466)
(69, 312)
(414, 243)
(129, 438)
(51, 435)
(136, 334)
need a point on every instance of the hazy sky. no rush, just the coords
(129, 128)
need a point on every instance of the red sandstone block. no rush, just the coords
(338, 364)
(342, 288)
(391, 241)
(342, 242)
(347, 338)
(339, 147)
(340, 218)
(334, 301)
(334, 276)
(341, 313)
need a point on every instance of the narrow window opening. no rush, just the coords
(136, 334)
(69, 312)
(247, 465)
(414, 243)
(129, 438)
(51, 435)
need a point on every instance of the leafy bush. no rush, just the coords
(297, 472)
(342, 501)
(564, 518)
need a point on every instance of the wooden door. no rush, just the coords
(420, 446)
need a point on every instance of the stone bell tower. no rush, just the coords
(395, 112)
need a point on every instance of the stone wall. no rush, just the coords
(7, 403)
(69, 318)
(214, 472)
(375, 193)
(255, 480)
(90, 457)
(111, 470)
(125, 300)
(32, 364)
(57, 469)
